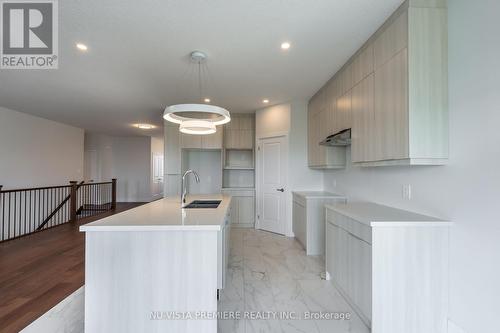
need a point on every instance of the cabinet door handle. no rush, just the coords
(280, 189)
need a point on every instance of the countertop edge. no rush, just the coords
(395, 223)
(325, 196)
(151, 228)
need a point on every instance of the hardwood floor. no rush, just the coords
(40, 270)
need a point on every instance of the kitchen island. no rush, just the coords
(156, 268)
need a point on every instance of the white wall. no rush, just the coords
(290, 120)
(38, 152)
(467, 190)
(126, 158)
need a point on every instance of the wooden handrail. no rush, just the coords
(22, 210)
(102, 183)
(35, 188)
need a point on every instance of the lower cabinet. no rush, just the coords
(308, 218)
(223, 252)
(348, 262)
(242, 207)
(391, 266)
(299, 222)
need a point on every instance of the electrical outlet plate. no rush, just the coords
(406, 192)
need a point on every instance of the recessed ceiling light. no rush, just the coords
(285, 45)
(144, 126)
(81, 47)
(207, 100)
(265, 101)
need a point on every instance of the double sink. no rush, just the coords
(203, 204)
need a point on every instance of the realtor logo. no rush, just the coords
(29, 34)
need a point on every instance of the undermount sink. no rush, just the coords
(203, 204)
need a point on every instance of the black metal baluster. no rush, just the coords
(25, 206)
(43, 205)
(3, 216)
(8, 217)
(15, 214)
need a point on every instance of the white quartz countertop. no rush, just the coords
(317, 194)
(374, 214)
(166, 215)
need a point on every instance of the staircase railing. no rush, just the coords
(29, 210)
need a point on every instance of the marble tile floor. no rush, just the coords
(271, 273)
(268, 275)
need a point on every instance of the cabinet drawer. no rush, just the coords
(357, 229)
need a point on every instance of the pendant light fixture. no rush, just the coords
(197, 119)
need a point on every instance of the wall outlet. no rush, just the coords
(406, 192)
(334, 182)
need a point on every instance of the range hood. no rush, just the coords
(342, 138)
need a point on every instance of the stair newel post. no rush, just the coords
(113, 193)
(73, 208)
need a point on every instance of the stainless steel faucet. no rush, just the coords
(183, 185)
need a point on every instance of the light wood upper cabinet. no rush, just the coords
(343, 113)
(393, 93)
(320, 125)
(213, 141)
(345, 79)
(310, 137)
(363, 120)
(391, 109)
(239, 132)
(190, 141)
(392, 40)
(362, 65)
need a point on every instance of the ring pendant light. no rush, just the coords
(197, 119)
(197, 127)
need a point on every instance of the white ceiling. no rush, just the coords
(137, 60)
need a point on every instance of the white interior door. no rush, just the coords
(157, 175)
(272, 186)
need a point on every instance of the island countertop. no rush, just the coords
(166, 215)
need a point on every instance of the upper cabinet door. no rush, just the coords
(343, 112)
(212, 141)
(310, 131)
(190, 141)
(391, 41)
(246, 139)
(391, 109)
(362, 65)
(231, 138)
(363, 119)
(345, 79)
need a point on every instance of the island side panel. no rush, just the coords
(132, 276)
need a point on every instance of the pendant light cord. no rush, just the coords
(199, 80)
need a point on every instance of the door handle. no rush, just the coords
(280, 189)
